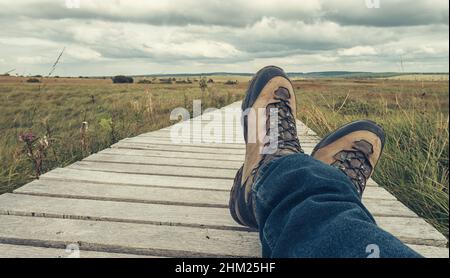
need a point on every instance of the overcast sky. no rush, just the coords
(106, 37)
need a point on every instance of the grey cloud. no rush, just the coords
(236, 13)
(389, 13)
(218, 35)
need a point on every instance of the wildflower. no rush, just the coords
(44, 142)
(27, 137)
(84, 126)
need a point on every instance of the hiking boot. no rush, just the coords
(269, 131)
(354, 149)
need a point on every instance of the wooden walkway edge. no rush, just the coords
(148, 196)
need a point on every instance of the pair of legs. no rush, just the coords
(306, 206)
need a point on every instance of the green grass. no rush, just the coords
(113, 112)
(414, 165)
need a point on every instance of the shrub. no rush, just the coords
(122, 79)
(144, 81)
(165, 81)
(231, 82)
(183, 82)
(202, 84)
(33, 80)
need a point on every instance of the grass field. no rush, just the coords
(414, 166)
(413, 112)
(421, 77)
(57, 109)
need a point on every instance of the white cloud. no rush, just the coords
(82, 53)
(193, 49)
(30, 60)
(358, 51)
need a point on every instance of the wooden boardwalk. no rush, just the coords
(150, 197)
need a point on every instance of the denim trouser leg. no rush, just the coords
(308, 209)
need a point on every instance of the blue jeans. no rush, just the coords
(308, 209)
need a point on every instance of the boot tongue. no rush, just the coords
(364, 147)
(283, 93)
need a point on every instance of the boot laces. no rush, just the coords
(355, 163)
(287, 139)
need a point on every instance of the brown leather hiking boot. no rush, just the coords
(270, 132)
(355, 149)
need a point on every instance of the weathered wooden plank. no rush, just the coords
(221, 144)
(175, 171)
(156, 214)
(168, 136)
(204, 140)
(223, 129)
(179, 142)
(229, 129)
(23, 251)
(188, 197)
(213, 218)
(371, 182)
(430, 251)
(138, 180)
(153, 169)
(204, 126)
(142, 239)
(158, 195)
(412, 231)
(193, 162)
(174, 154)
(113, 192)
(195, 139)
(190, 149)
(200, 129)
(68, 174)
(236, 132)
(375, 192)
(230, 142)
(208, 121)
(379, 207)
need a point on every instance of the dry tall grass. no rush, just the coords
(414, 165)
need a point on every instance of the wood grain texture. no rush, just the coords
(138, 239)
